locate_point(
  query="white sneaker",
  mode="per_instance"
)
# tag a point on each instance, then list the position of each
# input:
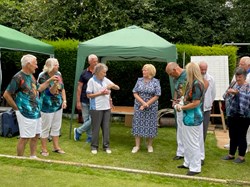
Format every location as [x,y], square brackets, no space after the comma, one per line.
[248,149]
[94,151]
[135,149]
[227,146]
[150,149]
[108,151]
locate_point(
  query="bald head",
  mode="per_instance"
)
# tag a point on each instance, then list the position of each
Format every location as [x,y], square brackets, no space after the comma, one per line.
[203,67]
[173,69]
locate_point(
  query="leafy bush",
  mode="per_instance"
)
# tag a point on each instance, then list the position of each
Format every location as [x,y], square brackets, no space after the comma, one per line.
[123,73]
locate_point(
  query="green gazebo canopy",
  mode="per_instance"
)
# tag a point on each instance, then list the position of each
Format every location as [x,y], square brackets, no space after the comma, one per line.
[128,44]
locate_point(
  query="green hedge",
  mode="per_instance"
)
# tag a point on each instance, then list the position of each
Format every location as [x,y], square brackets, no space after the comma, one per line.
[122,73]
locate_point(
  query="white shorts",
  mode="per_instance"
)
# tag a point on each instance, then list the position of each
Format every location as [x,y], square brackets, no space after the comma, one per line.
[28,128]
[51,123]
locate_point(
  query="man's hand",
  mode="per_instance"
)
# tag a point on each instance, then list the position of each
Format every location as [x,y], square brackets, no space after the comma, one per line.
[178,108]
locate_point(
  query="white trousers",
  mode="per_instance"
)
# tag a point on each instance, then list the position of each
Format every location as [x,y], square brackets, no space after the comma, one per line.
[51,123]
[248,137]
[202,146]
[179,134]
[192,150]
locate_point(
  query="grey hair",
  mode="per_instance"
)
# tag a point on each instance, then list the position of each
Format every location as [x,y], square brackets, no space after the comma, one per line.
[202,63]
[246,59]
[99,67]
[92,56]
[26,59]
[240,71]
[49,64]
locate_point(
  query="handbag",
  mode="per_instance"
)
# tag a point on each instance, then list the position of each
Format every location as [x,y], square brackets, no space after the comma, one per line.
[226,103]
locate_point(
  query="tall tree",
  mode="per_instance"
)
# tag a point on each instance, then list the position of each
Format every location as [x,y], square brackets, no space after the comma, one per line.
[10,14]
[240,19]
[199,22]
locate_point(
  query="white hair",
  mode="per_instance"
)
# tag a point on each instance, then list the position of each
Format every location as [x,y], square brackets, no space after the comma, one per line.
[49,64]
[26,59]
[99,67]
[92,56]
[246,59]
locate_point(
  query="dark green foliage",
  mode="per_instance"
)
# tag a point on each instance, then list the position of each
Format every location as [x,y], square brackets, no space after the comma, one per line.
[123,73]
[10,14]
[199,22]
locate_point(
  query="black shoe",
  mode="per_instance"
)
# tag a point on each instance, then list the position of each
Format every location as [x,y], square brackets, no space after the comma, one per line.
[239,161]
[192,173]
[202,162]
[178,157]
[228,157]
[182,167]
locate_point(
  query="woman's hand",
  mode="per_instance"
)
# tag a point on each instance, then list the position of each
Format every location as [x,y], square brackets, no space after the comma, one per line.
[54,78]
[64,104]
[232,91]
[143,106]
[178,108]
[105,92]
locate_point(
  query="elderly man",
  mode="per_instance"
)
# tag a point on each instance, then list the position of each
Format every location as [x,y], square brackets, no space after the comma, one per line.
[83,101]
[22,95]
[179,76]
[245,63]
[209,97]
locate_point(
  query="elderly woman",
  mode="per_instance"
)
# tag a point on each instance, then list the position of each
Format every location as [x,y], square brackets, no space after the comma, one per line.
[237,99]
[98,91]
[192,119]
[53,102]
[146,93]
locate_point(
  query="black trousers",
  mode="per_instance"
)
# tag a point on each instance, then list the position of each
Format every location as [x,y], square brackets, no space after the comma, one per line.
[238,127]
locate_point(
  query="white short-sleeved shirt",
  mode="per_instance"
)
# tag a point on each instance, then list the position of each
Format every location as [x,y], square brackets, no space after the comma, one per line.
[100,102]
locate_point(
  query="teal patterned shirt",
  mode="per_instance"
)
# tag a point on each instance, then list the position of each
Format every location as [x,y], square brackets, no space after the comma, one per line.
[51,103]
[179,84]
[193,117]
[23,87]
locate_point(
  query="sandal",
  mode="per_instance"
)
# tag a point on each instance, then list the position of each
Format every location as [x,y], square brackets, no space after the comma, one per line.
[44,153]
[60,151]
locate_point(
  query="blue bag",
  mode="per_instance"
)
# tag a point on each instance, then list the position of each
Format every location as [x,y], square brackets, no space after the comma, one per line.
[9,124]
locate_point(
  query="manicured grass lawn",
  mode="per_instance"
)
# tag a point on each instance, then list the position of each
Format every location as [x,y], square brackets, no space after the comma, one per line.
[15,172]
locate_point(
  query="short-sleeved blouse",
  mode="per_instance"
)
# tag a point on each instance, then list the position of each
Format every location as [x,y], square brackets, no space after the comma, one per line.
[193,117]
